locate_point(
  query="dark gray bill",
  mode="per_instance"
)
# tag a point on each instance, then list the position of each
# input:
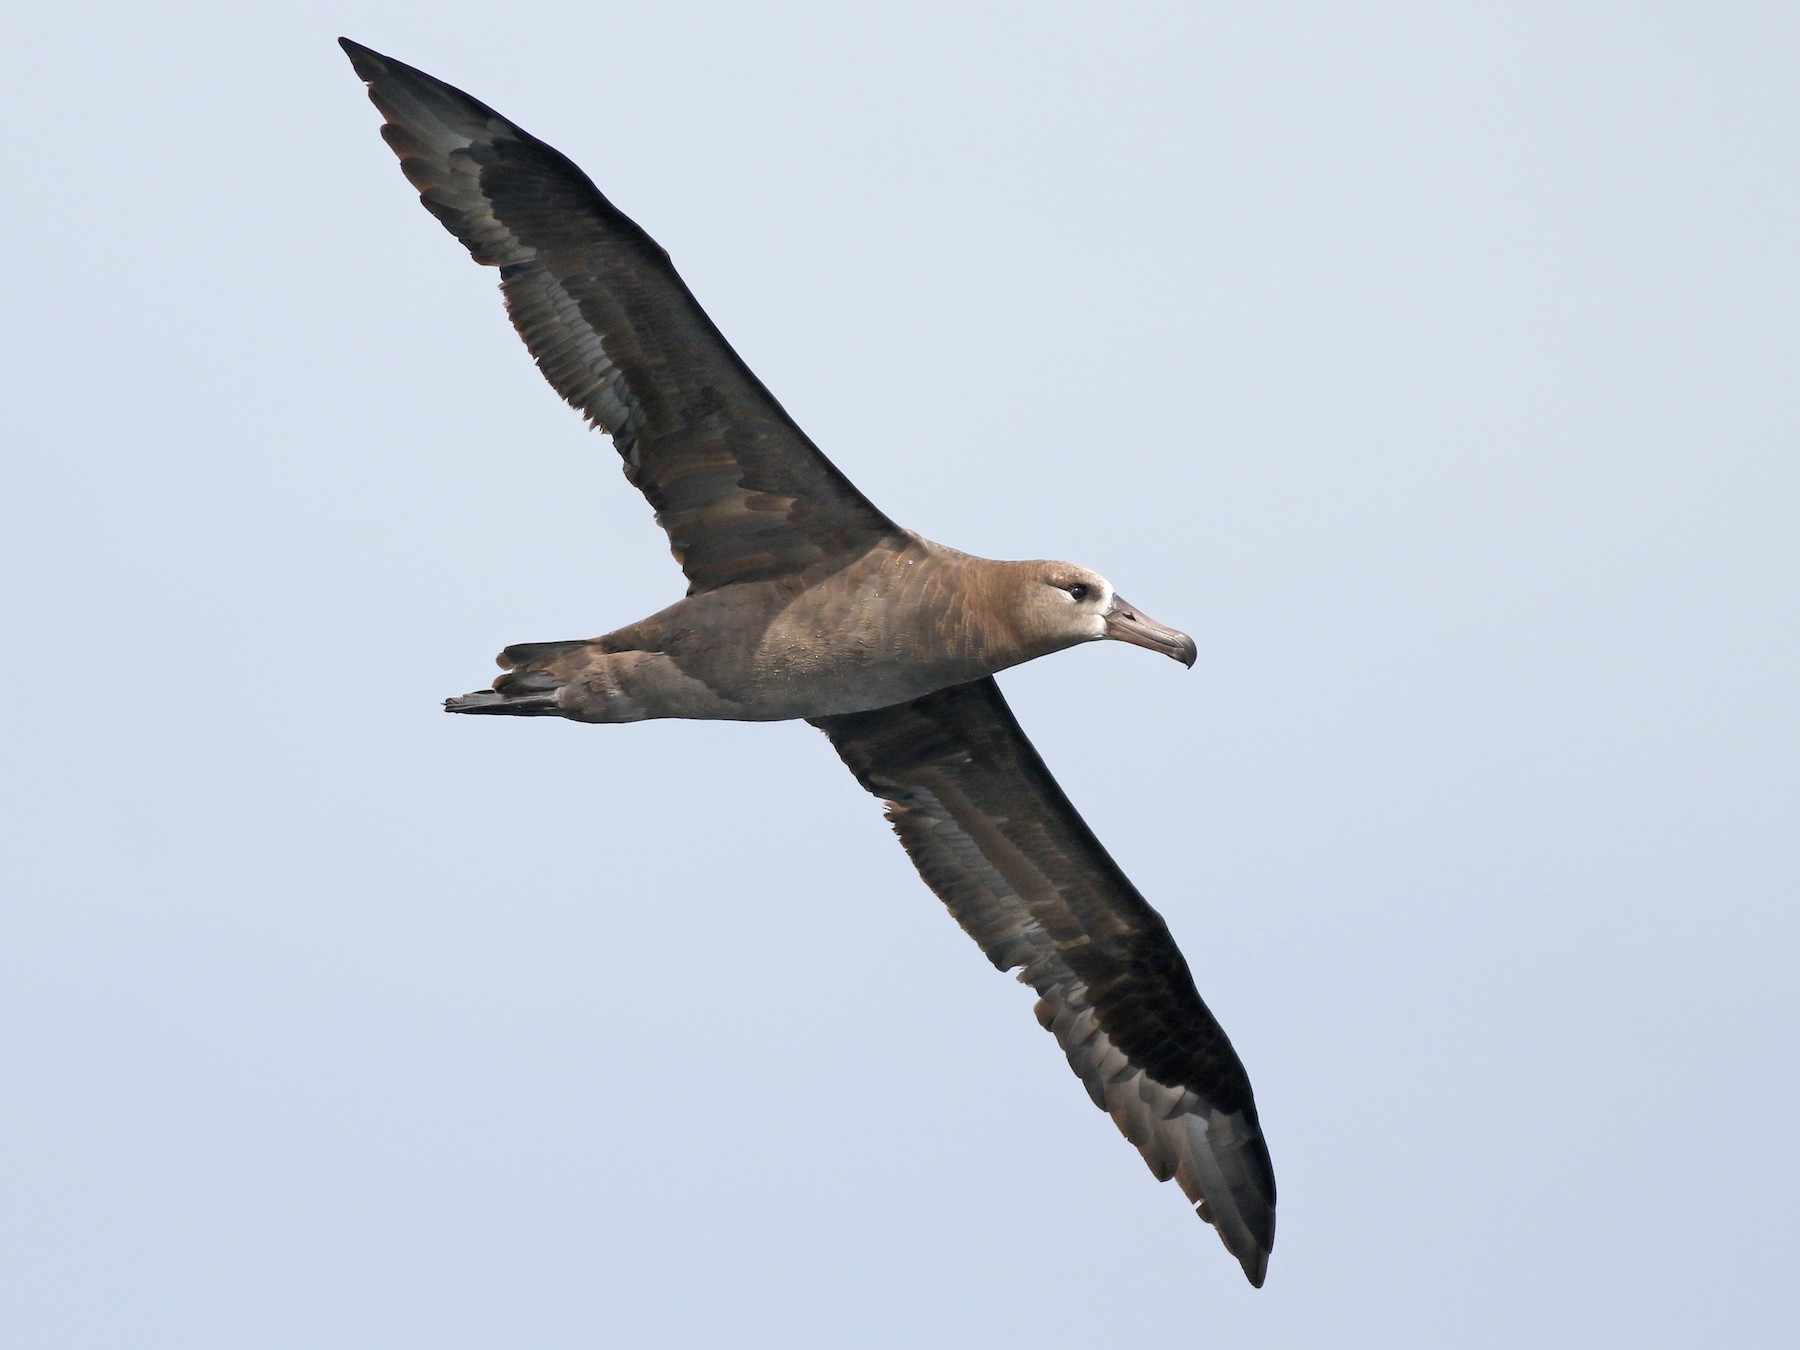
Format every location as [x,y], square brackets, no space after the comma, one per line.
[1127,623]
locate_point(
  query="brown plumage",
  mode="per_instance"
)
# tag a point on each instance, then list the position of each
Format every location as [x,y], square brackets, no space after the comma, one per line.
[804,601]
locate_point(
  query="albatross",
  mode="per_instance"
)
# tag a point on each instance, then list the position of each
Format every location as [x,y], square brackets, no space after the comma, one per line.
[805,601]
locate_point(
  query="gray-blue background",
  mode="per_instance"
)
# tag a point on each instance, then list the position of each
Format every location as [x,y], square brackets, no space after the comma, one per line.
[1433,364]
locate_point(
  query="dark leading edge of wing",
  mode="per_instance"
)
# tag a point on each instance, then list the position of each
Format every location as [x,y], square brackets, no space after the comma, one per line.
[995,837]
[741,491]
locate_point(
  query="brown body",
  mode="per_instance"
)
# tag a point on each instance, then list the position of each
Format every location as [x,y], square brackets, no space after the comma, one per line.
[903,619]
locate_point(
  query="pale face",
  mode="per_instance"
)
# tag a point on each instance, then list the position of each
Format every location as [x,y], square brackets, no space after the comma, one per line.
[1062,605]
[1073,601]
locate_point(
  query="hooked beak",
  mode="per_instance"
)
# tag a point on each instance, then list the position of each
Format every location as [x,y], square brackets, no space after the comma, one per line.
[1129,624]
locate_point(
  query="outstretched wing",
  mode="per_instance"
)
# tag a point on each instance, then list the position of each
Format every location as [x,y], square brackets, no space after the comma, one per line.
[743,494]
[994,836]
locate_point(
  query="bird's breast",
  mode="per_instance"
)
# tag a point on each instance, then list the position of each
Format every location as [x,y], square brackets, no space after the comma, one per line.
[856,646]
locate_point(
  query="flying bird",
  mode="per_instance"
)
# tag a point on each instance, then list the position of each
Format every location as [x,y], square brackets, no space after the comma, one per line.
[805,601]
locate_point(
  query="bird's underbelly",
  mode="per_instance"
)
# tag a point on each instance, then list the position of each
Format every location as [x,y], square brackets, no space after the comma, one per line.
[823,680]
[769,651]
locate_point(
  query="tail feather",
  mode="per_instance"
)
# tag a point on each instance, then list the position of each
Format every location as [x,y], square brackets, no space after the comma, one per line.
[530,680]
[488,701]
[535,671]
[524,653]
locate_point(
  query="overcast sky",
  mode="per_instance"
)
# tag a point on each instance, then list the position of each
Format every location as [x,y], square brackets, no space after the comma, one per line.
[1433,364]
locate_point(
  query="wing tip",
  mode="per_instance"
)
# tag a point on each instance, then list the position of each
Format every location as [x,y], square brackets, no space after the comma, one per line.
[1226,1173]
[1256,1266]
[1251,1251]
[365,60]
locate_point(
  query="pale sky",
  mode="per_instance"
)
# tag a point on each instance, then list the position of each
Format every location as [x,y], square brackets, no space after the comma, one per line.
[1434,365]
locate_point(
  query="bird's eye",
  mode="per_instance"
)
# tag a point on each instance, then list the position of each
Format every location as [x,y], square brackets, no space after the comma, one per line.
[1078,591]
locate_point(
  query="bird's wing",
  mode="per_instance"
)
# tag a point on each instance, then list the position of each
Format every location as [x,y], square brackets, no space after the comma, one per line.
[994,836]
[743,494]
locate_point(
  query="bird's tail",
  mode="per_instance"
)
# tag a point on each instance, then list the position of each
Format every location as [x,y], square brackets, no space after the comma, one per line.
[535,673]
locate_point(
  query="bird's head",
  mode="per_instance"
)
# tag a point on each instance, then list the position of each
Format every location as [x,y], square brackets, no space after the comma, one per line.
[1058,604]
